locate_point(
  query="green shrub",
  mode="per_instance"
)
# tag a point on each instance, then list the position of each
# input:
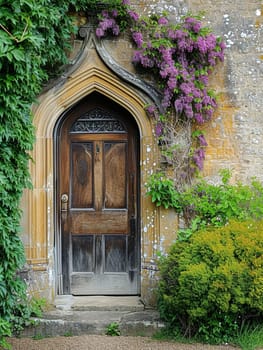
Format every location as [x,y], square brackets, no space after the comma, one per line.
[216,204]
[204,204]
[214,282]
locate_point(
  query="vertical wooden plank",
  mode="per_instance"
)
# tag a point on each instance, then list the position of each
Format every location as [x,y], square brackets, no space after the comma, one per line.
[66,254]
[98,255]
[98,155]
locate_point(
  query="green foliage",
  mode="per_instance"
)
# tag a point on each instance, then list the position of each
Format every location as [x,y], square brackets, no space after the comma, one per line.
[163,192]
[212,283]
[204,204]
[34,38]
[68,334]
[18,314]
[5,331]
[250,337]
[113,329]
[38,337]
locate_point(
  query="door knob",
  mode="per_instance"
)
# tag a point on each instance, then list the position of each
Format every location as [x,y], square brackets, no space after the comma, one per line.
[64,202]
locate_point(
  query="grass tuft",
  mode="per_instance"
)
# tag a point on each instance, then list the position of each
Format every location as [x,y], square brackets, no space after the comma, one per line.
[250,337]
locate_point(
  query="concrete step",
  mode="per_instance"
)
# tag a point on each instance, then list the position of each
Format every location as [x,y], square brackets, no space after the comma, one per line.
[93,315]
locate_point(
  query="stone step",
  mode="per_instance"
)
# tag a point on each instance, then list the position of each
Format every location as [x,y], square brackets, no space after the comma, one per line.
[97,303]
[93,315]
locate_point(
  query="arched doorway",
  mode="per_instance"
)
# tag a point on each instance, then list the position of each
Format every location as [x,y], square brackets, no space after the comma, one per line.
[89,78]
[97,199]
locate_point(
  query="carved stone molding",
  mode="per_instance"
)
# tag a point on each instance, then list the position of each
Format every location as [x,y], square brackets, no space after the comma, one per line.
[90,41]
[97,121]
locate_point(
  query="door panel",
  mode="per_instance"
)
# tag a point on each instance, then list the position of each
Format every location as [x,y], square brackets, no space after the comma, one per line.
[115,253]
[115,175]
[81,175]
[97,222]
[82,253]
[97,168]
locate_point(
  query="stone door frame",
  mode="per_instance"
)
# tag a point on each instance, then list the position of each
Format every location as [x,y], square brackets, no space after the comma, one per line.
[39,226]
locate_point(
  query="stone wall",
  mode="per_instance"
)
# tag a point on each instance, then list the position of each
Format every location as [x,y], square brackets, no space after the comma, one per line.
[235,133]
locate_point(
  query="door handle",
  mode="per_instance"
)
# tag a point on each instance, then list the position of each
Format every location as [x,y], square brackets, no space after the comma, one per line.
[64,202]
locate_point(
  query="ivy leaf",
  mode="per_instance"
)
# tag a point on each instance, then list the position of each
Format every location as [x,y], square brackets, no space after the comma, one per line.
[18,54]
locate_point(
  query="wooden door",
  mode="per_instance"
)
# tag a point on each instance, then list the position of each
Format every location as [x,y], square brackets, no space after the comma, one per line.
[97,199]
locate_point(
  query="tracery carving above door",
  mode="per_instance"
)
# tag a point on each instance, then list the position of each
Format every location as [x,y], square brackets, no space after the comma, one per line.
[97,120]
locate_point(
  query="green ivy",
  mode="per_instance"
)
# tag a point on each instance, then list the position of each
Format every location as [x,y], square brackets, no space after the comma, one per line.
[34,39]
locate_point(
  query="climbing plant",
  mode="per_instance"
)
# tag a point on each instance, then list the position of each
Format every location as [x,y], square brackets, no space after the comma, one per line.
[35,39]
[180,57]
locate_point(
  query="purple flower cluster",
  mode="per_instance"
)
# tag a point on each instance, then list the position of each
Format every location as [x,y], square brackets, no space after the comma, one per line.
[192,24]
[114,20]
[163,21]
[138,39]
[202,140]
[183,59]
[151,109]
[198,158]
[108,23]
[133,15]
[199,154]
[159,129]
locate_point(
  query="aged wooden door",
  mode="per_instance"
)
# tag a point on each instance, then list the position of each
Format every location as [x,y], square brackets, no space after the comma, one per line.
[97,199]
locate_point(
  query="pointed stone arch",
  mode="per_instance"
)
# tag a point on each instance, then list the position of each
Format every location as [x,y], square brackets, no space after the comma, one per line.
[90,73]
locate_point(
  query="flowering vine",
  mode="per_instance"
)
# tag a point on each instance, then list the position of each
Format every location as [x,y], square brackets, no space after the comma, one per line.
[115,18]
[180,56]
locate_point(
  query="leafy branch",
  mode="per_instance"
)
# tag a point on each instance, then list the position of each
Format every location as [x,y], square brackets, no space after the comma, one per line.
[12,36]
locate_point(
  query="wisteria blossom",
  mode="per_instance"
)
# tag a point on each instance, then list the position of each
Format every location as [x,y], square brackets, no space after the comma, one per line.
[202,140]
[198,158]
[163,21]
[133,15]
[181,56]
[138,39]
[159,129]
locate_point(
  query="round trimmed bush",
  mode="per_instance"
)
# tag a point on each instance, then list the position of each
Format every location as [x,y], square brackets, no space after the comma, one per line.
[212,283]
